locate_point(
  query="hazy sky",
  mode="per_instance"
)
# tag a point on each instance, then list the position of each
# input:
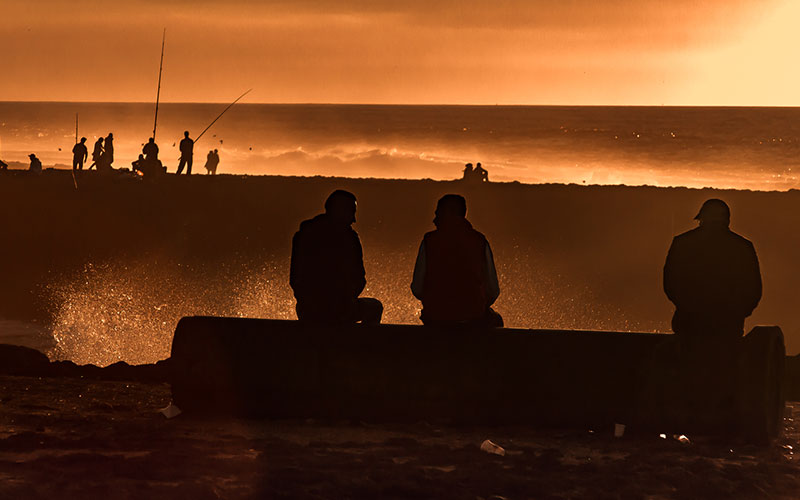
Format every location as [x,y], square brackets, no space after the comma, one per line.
[721,52]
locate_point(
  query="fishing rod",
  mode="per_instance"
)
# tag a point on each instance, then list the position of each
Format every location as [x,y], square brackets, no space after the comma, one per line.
[158,92]
[74,180]
[220,115]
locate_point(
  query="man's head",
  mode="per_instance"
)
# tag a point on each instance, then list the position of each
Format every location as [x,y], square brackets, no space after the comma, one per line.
[110,135]
[100,139]
[451,205]
[31,156]
[341,206]
[83,139]
[151,140]
[186,134]
[714,212]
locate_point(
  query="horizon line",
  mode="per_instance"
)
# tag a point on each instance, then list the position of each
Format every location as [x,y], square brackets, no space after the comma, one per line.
[786,106]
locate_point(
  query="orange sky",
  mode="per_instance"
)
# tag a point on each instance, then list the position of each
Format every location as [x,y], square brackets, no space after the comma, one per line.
[722,52]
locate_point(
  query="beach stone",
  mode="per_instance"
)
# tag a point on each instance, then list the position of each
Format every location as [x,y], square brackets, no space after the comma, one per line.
[19,360]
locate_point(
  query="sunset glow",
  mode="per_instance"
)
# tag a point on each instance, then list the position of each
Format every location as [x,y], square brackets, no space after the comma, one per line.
[511,52]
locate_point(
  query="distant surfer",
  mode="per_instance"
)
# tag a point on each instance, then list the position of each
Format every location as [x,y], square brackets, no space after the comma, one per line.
[712,276]
[327,267]
[79,154]
[97,152]
[36,164]
[187,152]
[454,275]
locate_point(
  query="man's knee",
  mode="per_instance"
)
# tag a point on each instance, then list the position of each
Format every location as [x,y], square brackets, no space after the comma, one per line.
[370,310]
[493,319]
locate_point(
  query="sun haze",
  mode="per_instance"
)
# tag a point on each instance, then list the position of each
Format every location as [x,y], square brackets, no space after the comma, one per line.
[357,51]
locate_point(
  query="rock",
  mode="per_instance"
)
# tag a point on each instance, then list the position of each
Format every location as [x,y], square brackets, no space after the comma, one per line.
[19,360]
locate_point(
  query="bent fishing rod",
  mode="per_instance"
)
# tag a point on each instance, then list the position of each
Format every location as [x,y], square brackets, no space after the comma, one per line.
[220,115]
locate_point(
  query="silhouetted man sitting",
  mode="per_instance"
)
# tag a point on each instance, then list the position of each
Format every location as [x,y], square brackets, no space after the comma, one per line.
[36,164]
[468,172]
[481,174]
[327,269]
[454,275]
[712,276]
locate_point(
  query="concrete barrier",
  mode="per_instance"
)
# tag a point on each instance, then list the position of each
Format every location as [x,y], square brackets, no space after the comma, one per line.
[288,369]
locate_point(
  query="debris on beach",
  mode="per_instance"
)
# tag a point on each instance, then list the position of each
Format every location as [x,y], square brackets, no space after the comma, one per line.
[492,448]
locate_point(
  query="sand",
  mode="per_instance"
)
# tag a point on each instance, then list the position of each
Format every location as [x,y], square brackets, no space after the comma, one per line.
[75,438]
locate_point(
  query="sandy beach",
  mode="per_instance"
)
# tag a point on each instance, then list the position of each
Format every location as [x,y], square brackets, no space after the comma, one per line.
[76,438]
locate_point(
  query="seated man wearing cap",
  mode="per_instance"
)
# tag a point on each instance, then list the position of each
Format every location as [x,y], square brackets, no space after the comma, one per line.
[712,276]
[454,275]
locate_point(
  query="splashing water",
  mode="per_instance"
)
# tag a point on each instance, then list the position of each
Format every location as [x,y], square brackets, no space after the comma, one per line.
[128,312]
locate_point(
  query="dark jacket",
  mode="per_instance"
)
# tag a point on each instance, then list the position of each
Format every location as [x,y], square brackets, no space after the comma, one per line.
[327,270]
[713,278]
[187,147]
[456,276]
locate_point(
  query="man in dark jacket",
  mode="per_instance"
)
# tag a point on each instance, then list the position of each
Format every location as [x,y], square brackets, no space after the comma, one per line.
[187,154]
[712,276]
[454,275]
[327,269]
[79,154]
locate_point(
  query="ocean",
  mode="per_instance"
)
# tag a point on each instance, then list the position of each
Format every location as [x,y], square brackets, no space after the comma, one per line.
[740,148]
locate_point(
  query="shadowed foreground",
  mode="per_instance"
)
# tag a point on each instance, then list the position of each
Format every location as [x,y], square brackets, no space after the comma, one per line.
[75,438]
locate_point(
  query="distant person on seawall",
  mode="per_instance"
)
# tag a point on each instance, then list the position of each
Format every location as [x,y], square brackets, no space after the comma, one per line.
[36,164]
[79,154]
[97,152]
[212,160]
[187,152]
[327,267]
[454,275]
[712,276]
[467,172]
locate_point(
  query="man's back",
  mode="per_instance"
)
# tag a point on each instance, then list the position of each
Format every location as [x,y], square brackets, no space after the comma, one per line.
[713,278]
[187,146]
[79,150]
[455,278]
[327,267]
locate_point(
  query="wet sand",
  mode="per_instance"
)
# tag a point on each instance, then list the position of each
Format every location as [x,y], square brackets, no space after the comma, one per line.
[75,438]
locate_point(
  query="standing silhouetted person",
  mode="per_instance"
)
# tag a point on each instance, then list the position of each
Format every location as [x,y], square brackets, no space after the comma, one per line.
[327,268]
[454,275]
[187,152]
[212,160]
[79,154]
[712,276]
[97,152]
[108,152]
[36,164]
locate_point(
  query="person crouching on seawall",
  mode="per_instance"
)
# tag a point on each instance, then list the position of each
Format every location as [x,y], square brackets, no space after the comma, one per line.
[454,276]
